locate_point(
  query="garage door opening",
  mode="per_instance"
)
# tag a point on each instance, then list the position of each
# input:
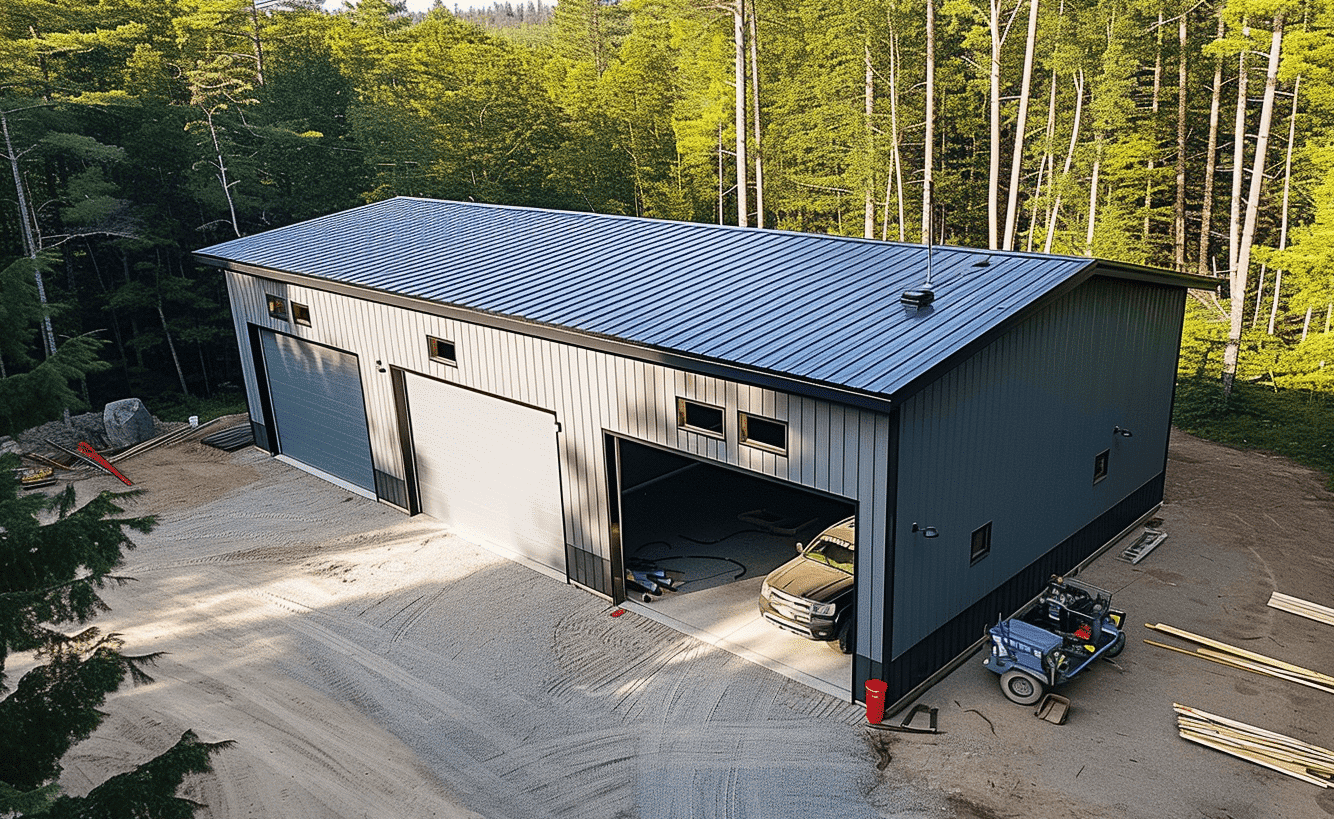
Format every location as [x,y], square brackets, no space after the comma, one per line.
[697,541]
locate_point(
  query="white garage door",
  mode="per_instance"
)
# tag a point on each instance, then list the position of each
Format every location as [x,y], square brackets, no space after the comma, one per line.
[488,468]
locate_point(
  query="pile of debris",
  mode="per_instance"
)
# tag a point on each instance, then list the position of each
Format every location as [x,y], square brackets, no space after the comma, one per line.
[90,443]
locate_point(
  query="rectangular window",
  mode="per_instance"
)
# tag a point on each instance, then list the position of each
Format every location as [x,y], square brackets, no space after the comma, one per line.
[763,433]
[699,417]
[301,314]
[981,544]
[1100,465]
[441,350]
[278,307]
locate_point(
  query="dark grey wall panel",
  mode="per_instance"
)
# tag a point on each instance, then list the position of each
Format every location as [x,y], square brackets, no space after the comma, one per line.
[318,408]
[1011,435]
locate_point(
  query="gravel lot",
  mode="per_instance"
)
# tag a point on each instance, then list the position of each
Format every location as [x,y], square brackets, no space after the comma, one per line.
[368,664]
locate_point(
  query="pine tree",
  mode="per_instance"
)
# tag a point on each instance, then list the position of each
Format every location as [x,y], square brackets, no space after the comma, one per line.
[54,557]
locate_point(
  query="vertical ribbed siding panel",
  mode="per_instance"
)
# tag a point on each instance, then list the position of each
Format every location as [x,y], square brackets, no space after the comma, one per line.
[1010,436]
[590,392]
[240,291]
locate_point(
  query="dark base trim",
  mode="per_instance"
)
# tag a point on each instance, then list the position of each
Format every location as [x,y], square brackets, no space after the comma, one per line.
[588,569]
[946,643]
[261,434]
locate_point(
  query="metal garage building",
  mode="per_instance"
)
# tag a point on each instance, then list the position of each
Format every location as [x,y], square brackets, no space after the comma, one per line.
[485,364]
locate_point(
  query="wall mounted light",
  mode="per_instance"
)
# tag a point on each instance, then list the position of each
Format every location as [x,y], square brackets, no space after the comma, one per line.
[379,365]
[1124,433]
[927,531]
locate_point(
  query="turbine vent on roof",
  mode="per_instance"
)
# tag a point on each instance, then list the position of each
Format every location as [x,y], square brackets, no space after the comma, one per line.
[915,300]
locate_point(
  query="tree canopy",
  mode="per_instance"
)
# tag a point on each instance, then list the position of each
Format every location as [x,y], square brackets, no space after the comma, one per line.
[1182,135]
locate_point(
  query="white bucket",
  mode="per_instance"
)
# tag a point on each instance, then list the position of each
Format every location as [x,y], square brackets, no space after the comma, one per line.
[194,420]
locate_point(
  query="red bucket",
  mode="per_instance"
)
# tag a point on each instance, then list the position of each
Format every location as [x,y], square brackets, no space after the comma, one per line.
[875,700]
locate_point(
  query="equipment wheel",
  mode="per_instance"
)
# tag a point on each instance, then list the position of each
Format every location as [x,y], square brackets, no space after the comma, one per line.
[1021,688]
[847,635]
[1118,646]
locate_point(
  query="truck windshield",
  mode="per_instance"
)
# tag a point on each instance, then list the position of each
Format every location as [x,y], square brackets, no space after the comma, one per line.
[830,553]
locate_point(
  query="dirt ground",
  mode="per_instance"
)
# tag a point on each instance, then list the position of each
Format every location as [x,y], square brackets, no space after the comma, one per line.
[368,664]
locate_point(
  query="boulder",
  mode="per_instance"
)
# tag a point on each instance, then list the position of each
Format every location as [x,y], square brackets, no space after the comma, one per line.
[126,423]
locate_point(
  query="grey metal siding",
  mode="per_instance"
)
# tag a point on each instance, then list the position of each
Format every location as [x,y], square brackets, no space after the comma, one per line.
[1010,436]
[591,392]
[318,414]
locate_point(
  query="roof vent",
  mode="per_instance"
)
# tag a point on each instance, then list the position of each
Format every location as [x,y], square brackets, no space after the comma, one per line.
[984,262]
[914,300]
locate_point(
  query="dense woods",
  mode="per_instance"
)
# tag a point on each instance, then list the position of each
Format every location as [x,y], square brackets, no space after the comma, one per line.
[1194,136]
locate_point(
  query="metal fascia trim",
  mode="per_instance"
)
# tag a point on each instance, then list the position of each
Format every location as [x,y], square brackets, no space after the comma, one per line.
[607,344]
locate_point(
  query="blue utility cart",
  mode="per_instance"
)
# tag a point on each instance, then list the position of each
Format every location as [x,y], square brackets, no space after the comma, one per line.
[1071,625]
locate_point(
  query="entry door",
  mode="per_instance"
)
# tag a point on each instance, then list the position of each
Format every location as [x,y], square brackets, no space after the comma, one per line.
[488,468]
[318,410]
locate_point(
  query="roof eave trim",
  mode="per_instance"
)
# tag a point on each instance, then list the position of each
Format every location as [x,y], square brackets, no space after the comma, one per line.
[667,357]
[1144,273]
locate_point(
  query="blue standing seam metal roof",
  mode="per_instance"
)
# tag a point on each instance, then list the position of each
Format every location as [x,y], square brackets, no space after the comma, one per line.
[818,308]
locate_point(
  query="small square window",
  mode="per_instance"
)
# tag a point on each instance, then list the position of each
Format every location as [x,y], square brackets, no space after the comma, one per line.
[1100,465]
[763,433]
[278,307]
[981,544]
[441,350]
[301,314]
[699,418]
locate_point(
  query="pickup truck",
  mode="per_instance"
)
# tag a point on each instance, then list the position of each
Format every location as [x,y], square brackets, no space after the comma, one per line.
[812,595]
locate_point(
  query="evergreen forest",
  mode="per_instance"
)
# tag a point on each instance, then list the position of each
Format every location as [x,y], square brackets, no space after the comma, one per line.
[1192,135]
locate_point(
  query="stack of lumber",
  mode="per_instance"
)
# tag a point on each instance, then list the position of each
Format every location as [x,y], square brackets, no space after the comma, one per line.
[1309,763]
[1225,654]
[1302,608]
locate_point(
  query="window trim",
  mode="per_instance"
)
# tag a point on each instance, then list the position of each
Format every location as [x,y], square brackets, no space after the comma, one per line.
[681,424]
[277,306]
[1101,466]
[975,555]
[432,347]
[297,311]
[743,432]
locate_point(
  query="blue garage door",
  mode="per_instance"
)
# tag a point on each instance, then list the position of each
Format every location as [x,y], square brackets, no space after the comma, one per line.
[318,408]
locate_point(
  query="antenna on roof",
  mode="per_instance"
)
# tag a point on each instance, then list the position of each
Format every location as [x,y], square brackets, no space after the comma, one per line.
[920,300]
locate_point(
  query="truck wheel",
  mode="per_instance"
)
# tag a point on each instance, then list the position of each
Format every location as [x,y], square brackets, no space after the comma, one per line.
[1118,646]
[847,635]
[1021,688]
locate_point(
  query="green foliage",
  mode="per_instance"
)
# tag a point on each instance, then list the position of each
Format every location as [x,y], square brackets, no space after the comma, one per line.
[39,395]
[54,557]
[180,408]
[1289,422]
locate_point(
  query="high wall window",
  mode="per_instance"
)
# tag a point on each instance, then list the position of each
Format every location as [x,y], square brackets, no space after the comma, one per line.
[277,307]
[981,546]
[763,433]
[441,350]
[301,314]
[697,417]
[1100,465]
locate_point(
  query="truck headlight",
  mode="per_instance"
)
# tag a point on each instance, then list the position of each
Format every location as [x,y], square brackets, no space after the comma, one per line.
[823,609]
[764,590]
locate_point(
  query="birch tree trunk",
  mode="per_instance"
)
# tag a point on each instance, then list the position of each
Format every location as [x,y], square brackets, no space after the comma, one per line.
[739,40]
[1238,286]
[1069,160]
[1093,198]
[1016,161]
[868,96]
[171,345]
[1238,159]
[993,174]
[26,220]
[755,116]
[1153,126]
[897,168]
[1287,187]
[1179,204]
[1211,161]
[929,135]
[1045,167]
